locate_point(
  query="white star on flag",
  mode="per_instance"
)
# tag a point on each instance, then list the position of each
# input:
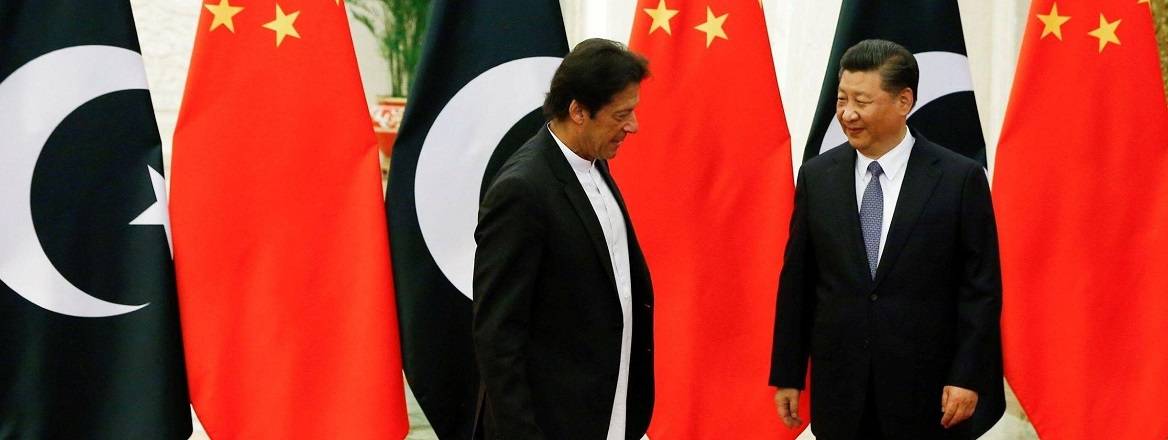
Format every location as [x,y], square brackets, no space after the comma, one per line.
[156,214]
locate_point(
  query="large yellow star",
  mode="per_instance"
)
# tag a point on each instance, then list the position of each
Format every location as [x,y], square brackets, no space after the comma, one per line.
[713,26]
[661,17]
[283,25]
[1105,32]
[223,13]
[1052,23]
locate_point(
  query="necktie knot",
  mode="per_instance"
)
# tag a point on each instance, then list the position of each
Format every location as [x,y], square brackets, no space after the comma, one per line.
[875,169]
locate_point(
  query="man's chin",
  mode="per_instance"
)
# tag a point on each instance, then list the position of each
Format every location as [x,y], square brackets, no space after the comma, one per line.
[612,153]
[857,142]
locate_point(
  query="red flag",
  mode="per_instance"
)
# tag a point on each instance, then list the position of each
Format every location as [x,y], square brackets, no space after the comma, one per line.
[709,188]
[280,241]
[1081,189]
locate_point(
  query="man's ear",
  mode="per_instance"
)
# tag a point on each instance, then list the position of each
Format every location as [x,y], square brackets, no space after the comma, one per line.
[576,112]
[905,100]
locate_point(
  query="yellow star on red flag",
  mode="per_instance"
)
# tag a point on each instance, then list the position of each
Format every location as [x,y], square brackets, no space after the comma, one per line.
[283,25]
[661,16]
[1106,32]
[713,26]
[1052,22]
[223,13]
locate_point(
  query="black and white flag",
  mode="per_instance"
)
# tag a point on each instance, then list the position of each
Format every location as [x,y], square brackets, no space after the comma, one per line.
[945,111]
[88,316]
[485,69]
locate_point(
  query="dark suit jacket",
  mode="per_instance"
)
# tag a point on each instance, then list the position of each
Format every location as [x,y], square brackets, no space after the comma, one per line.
[929,319]
[547,319]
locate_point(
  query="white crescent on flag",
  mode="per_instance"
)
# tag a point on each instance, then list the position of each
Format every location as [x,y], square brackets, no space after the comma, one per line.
[460,143]
[33,101]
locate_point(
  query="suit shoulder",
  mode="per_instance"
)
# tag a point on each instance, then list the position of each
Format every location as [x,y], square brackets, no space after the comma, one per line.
[827,158]
[946,157]
[524,167]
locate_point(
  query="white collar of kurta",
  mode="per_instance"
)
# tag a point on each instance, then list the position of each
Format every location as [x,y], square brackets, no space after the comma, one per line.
[580,164]
[893,162]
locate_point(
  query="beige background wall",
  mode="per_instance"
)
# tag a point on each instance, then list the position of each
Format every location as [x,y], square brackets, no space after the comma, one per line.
[800,30]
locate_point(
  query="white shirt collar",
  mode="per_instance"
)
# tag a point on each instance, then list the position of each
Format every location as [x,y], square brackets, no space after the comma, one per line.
[580,164]
[893,162]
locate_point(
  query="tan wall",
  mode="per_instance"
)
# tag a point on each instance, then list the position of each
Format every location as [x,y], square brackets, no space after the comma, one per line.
[1160,12]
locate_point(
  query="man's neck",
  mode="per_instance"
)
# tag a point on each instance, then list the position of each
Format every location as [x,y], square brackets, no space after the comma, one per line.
[563,131]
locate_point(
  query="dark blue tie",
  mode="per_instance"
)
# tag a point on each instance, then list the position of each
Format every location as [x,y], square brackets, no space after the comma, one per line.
[872,216]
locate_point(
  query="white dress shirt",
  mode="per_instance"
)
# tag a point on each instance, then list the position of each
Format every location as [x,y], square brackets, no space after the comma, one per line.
[893,163]
[612,222]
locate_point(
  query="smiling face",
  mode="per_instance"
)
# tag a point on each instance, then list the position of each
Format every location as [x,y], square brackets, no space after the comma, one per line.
[602,131]
[872,118]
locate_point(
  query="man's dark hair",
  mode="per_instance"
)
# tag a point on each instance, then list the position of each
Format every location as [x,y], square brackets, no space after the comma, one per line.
[592,74]
[897,66]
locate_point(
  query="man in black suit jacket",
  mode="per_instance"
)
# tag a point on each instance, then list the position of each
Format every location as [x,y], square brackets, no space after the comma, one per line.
[894,295]
[562,298]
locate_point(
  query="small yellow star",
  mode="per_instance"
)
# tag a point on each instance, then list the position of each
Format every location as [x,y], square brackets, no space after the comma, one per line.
[223,13]
[1105,32]
[1052,23]
[713,26]
[661,17]
[1143,1]
[283,25]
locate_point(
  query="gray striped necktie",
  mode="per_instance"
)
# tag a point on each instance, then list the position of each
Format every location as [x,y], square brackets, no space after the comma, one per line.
[872,216]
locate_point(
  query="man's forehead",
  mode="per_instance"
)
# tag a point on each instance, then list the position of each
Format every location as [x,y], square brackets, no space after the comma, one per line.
[859,81]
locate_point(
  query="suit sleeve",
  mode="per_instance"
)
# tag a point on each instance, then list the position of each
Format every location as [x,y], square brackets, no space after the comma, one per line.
[980,293]
[795,306]
[506,263]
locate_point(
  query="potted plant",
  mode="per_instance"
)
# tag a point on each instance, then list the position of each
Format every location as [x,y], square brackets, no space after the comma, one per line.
[399,26]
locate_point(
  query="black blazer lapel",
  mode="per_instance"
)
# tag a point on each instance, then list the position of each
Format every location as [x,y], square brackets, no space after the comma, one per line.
[637,262]
[920,178]
[579,200]
[841,179]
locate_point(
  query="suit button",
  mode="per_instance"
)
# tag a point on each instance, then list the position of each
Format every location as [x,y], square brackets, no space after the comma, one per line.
[873,297]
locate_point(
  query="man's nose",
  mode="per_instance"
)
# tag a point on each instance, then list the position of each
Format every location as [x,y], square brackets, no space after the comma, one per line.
[632,125]
[849,114]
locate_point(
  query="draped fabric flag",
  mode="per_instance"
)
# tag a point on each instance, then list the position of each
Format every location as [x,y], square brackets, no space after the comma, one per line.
[89,333]
[709,189]
[945,111]
[485,69]
[280,240]
[1081,195]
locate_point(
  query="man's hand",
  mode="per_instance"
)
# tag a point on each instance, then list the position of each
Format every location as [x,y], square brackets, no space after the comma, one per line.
[787,400]
[957,404]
